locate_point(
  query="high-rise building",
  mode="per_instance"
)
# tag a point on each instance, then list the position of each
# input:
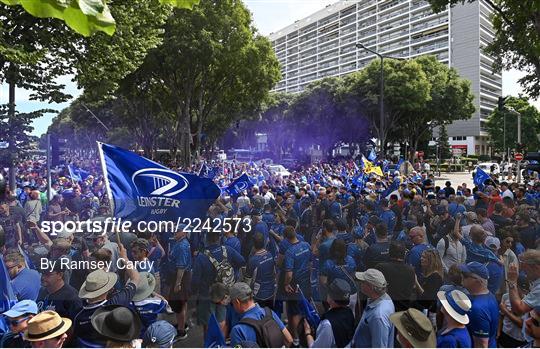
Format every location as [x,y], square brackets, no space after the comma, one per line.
[323,44]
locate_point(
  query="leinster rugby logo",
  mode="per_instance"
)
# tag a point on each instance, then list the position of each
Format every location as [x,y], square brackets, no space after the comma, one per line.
[160,185]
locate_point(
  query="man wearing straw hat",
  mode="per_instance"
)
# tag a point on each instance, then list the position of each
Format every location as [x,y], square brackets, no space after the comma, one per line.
[47,330]
[414,329]
[97,293]
[455,307]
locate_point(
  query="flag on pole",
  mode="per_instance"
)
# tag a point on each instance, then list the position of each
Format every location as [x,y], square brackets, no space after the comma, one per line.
[239,185]
[480,177]
[7,296]
[308,310]
[141,189]
[372,155]
[391,188]
[214,337]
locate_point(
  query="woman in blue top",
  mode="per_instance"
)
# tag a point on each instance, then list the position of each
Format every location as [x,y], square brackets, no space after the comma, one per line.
[339,266]
[455,306]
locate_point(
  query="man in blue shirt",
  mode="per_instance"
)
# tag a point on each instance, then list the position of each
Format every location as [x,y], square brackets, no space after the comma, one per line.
[205,275]
[484,314]
[375,330]
[378,252]
[387,215]
[261,269]
[297,268]
[324,241]
[26,282]
[180,278]
[416,235]
[243,303]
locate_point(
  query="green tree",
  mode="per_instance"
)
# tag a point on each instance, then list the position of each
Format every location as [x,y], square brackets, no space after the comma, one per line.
[29,59]
[530,126]
[450,99]
[406,90]
[83,16]
[443,144]
[517,37]
[210,57]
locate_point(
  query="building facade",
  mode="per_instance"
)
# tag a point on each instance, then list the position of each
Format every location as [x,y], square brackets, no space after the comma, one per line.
[324,44]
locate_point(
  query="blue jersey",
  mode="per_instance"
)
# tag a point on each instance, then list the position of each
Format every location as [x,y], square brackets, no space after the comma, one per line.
[324,250]
[263,266]
[297,259]
[357,254]
[456,338]
[26,284]
[484,318]
[148,310]
[242,332]
[233,242]
[389,218]
[345,236]
[496,276]
[333,271]
[180,254]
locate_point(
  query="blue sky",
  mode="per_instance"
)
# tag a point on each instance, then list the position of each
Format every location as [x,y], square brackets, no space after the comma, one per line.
[269,16]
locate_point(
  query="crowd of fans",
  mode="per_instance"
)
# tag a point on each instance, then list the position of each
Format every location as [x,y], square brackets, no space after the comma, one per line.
[387,261]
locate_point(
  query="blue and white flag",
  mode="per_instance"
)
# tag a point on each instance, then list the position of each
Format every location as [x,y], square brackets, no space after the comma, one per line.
[308,310]
[239,185]
[74,176]
[372,155]
[214,337]
[480,177]
[7,296]
[141,189]
[391,188]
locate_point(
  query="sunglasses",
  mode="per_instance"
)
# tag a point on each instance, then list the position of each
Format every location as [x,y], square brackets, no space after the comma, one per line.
[16,322]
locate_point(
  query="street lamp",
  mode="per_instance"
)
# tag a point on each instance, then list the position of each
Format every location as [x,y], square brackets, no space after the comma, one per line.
[381,92]
[515,112]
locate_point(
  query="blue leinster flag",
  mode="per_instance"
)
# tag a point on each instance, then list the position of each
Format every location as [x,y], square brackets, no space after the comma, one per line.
[239,185]
[141,189]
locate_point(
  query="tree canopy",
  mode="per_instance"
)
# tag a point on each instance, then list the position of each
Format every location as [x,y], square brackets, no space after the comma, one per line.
[530,125]
[517,37]
[83,16]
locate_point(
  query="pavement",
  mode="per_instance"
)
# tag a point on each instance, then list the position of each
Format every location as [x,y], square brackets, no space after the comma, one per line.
[457,178]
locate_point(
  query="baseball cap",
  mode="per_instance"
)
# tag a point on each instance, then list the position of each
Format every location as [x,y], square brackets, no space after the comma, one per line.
[241,291]
[492,241]
[475,268]
[23,307]
[339,290]
[160,334]
[372,276]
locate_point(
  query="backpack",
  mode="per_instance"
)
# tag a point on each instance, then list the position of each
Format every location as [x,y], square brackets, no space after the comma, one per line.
[269,334]
[224,270]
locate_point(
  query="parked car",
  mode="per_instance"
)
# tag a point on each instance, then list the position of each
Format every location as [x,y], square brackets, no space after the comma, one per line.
[489,168]
[278,170]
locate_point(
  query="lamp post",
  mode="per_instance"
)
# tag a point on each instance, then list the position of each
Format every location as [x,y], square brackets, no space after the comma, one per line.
[381,95]
[381,92]
[518,114]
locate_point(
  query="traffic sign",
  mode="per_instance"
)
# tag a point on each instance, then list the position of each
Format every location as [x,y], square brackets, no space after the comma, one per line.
[518,156]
